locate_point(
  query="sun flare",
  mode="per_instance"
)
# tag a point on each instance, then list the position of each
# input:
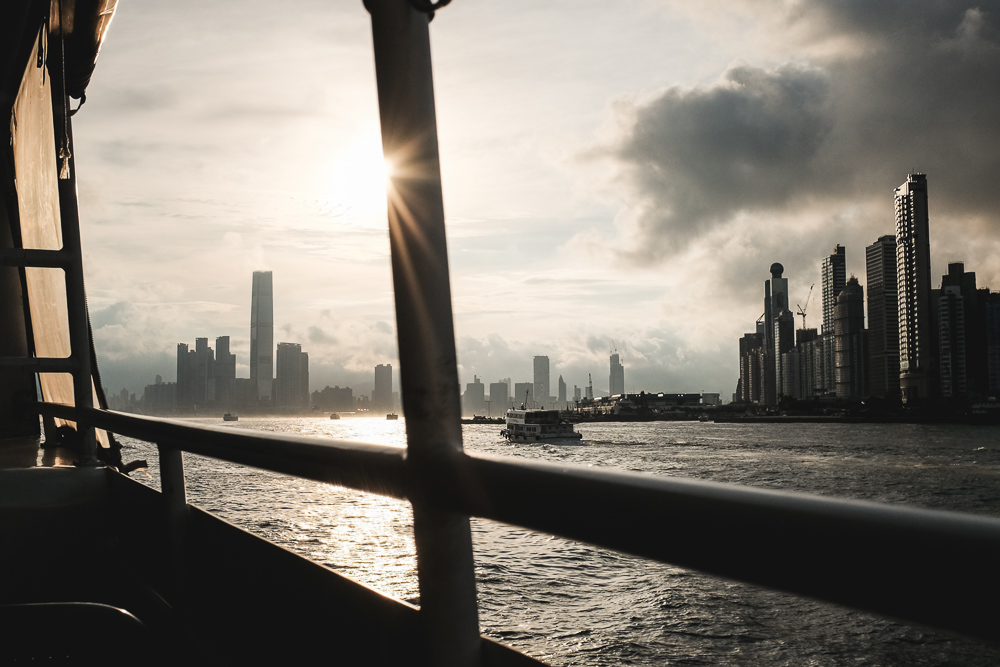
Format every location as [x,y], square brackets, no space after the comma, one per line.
[356,181]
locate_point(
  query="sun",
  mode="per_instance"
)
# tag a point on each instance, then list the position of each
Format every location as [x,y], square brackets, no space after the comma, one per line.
[356,179]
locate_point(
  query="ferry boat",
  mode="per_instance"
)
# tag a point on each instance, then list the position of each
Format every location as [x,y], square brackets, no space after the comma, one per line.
[230,417]
[118,567]
[537,426]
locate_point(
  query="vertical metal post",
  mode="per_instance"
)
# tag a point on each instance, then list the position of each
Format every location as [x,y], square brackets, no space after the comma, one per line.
[172,487]
[76,294]
[428,367]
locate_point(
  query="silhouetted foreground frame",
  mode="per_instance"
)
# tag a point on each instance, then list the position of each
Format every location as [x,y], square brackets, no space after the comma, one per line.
[928,567]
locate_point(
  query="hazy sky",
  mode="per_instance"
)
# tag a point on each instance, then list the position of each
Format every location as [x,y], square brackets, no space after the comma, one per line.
[614,173]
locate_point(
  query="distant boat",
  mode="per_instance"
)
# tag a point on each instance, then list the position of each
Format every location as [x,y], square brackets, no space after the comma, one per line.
[537,425]
[230,417]
[334,415]
[391,416]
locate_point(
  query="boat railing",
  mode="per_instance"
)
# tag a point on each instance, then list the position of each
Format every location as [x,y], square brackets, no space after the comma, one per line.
[922,566]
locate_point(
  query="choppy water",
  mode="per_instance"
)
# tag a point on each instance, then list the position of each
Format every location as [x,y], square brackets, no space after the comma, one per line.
[573,604]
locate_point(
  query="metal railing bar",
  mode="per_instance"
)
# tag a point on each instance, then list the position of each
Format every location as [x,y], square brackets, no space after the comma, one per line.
[918,565]
[46,259]
[365,467]
[41,364]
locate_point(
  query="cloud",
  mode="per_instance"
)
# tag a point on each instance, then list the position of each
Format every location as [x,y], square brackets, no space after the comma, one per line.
[909,87]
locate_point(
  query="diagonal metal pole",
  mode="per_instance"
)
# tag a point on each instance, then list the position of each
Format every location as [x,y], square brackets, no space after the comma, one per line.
[428,367]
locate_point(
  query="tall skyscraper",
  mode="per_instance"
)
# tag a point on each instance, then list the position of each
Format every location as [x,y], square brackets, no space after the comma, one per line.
[561,396]
[917,338]
[616,379]
[781,327]
[291,377]
[834,277]
[540,390]
[850,341]
[382,394]
[883,318]
[262,334]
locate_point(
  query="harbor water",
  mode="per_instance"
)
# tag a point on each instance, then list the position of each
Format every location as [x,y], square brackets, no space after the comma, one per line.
[573,604]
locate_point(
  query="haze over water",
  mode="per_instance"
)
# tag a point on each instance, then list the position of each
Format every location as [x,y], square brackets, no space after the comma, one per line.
[570,603]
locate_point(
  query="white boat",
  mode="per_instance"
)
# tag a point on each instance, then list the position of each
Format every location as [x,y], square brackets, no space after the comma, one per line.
[537,426]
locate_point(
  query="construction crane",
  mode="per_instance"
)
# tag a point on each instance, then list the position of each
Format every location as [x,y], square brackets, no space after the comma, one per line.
[802,309]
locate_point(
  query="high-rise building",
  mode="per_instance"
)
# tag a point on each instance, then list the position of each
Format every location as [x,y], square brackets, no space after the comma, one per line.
[262,334]
[291,377]
[883,318]
[474,398]
[540,390]
[963,359]
[913,270]
[850,341]
[781,327]
[382,394]
[186,371]
[834,277]
[993,343]
[751,385]
[616,379]
[561,396]
[499,397]
[225,371]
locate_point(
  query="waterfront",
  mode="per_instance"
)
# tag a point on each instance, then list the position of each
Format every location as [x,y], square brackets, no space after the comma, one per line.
[572,604]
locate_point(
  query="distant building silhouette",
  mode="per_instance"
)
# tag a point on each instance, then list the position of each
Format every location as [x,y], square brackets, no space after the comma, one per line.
[540,390]
[851,342]
[499,397]
[561,396]
[834,277]
[616,378]
[752,361]
[883,318]
[262,334]
[292,377]
[993,343]
[962,328]
[382,393]
[917,339]
[225,372]
[474,398]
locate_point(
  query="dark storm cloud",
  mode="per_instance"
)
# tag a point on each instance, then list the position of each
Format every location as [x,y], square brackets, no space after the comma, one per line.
[910,86]
[695,157]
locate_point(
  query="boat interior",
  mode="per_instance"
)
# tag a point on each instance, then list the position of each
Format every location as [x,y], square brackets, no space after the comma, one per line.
[97,566]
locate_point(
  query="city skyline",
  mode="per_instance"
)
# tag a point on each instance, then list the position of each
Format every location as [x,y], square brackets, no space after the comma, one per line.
[623,180]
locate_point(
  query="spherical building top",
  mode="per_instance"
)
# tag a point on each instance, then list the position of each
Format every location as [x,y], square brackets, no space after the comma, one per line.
[776,270]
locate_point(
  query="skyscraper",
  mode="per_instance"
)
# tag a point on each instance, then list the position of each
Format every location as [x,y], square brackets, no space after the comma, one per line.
[850,341]
[540,390]
[291,377]
[834,277]
[262,334]
[499,397]
[382,394]
[913,270]
[616,379]
[883,318]
[781,328]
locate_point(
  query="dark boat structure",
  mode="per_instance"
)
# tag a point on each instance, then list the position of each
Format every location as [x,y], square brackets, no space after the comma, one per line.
[95,564]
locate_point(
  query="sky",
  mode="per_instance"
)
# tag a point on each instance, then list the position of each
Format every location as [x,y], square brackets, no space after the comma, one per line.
[615,175]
